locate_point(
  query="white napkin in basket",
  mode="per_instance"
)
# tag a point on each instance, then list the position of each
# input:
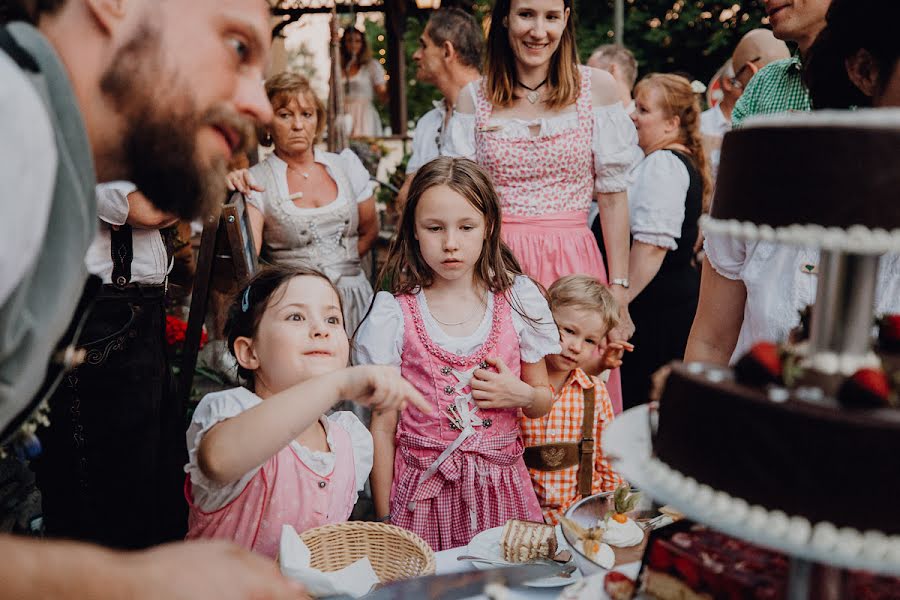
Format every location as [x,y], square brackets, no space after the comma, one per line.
[355,579]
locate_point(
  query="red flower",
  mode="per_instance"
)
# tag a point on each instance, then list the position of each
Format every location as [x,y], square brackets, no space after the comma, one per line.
[176,331]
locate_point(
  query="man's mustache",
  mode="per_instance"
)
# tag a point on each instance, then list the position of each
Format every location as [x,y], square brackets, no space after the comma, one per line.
[241,126]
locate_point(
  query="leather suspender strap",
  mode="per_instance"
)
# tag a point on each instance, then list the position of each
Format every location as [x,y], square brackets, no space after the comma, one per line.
[586,465]
[121,251]
[19,55]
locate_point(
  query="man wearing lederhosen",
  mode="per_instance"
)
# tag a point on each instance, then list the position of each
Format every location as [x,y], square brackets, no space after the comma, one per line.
[111,466]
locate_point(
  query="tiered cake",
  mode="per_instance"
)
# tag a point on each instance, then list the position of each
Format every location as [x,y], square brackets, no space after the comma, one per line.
[781,457]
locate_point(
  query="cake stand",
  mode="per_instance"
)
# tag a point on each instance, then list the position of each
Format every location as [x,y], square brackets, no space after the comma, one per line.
[627,442]
[815,191]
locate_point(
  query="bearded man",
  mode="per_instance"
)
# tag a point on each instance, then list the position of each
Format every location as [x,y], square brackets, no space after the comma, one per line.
[157,92]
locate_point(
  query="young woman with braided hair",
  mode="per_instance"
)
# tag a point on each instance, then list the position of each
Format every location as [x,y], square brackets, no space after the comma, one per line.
[669,193]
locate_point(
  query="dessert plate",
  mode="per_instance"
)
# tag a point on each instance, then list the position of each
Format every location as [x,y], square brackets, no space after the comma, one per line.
[487,545]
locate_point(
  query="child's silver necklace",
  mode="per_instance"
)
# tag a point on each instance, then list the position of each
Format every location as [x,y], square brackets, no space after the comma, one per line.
[466,320]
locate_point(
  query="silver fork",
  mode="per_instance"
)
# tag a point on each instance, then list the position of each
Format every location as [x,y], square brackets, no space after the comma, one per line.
[655,522]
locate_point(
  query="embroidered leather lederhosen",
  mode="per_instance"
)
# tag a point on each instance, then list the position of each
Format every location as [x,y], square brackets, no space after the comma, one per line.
[112,467]
[562,455]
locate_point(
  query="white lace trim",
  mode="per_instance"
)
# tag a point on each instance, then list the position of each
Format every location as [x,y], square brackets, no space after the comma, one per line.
[824,537]
[858,239]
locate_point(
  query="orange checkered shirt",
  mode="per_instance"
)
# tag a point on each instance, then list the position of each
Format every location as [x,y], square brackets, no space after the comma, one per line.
[558,490]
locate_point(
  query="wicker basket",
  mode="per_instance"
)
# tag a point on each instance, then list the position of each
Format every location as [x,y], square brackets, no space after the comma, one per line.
[395,553]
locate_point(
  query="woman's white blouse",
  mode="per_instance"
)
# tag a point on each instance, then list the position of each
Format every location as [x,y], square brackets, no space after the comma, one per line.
[346,163]
[656,199]
[379,339]
[779,286]
[614,139]
[219,406]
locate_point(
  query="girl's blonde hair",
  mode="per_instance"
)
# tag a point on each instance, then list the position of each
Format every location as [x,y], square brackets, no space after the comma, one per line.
[679,100]
[406,271]
[584,292]
[564,77]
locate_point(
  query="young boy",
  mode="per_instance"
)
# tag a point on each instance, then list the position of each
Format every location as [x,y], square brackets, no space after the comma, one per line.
[563,451]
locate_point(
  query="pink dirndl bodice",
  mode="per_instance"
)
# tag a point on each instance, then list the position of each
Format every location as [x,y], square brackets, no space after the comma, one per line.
[283,492]
[459,470]
[546,183]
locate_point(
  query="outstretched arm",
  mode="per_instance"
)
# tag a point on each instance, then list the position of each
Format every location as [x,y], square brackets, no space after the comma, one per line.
[38,569]
[236,446]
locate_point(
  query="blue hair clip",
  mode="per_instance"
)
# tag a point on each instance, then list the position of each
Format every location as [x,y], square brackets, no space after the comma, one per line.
[245,301]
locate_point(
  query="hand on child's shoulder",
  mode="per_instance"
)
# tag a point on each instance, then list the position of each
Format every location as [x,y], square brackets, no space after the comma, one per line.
[381,387]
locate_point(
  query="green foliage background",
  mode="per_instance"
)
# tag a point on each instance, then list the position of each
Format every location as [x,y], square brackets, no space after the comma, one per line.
[693,38]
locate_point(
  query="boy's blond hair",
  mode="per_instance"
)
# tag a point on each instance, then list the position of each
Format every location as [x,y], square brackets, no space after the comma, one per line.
[584,292]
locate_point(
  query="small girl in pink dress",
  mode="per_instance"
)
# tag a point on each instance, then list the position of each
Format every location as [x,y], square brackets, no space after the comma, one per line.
[265,456]
[470,332]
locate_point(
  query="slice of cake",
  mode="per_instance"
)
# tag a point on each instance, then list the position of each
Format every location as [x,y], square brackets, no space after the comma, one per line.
[523,541]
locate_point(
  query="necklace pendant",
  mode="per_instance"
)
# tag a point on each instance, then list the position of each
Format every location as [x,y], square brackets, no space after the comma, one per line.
[533,96]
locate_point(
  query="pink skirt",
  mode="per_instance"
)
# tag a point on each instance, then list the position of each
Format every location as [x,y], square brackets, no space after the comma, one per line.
[554,245]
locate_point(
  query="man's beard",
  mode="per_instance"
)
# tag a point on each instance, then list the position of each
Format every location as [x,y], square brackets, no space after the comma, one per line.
[158,152]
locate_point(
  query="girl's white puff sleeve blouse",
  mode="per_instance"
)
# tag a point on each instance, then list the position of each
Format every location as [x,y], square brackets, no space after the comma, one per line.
[379,339]
[219,406]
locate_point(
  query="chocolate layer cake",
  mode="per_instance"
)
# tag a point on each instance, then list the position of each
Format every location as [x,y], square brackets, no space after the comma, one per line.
[844,150]
[809,459]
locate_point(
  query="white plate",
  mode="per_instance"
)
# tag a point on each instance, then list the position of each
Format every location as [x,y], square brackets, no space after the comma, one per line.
[487,545]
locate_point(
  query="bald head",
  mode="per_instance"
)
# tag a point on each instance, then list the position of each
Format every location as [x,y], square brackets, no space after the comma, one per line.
[759,46]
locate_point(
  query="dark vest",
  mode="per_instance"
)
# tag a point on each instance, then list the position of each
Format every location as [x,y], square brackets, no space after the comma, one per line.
[678,279]
[39,310]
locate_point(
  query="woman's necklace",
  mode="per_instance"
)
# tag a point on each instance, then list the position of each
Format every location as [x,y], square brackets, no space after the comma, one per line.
[466,320]
[297,195]
[533,94]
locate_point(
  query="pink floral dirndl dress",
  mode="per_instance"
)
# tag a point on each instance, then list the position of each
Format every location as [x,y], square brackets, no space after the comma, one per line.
[459,470]
[546,184]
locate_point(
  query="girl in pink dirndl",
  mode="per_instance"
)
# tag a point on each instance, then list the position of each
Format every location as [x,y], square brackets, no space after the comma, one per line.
[266,456]
[470,332]
[551,139]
